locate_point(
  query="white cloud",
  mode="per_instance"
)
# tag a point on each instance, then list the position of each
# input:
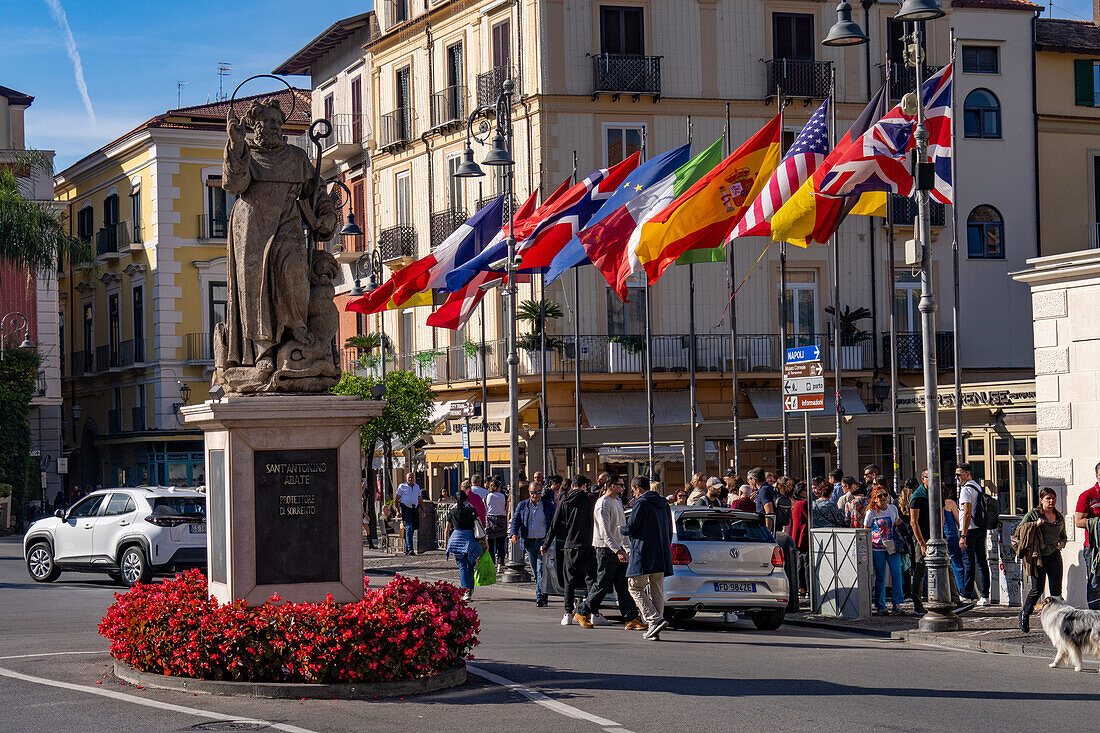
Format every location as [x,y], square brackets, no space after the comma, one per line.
[62,21]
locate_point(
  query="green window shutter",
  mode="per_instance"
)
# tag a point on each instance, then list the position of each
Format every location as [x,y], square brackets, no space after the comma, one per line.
[1082,83]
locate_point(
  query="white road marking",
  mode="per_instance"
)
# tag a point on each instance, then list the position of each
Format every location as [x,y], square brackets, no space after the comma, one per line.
[135,700]
[50,654]
[610,726]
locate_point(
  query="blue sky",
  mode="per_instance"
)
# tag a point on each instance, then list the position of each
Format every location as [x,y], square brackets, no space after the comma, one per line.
[134,51]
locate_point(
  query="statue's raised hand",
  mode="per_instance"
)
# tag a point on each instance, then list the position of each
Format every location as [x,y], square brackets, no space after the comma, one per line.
[235,129]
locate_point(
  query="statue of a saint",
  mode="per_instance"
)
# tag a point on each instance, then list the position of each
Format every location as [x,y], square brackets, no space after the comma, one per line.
[281,321]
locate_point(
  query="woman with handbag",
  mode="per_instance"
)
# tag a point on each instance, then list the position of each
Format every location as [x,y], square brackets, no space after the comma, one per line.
[882,519]
[465,540]
[1052,535]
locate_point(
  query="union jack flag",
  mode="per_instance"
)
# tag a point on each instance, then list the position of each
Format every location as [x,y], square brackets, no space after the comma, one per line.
[806,153]
[879,162]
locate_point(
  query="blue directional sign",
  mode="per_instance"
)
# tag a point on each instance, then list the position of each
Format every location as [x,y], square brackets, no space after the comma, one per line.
[803,353]
[465,442]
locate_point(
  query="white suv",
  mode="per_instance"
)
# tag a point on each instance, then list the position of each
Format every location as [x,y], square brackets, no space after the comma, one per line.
[130,534]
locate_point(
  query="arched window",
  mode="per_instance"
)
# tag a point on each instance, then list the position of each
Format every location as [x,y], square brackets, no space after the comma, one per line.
[982,115]
[985,234]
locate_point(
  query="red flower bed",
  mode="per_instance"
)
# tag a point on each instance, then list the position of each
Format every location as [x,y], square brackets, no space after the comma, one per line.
[404,630]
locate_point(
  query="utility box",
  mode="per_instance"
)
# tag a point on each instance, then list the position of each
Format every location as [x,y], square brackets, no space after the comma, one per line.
[1010,579]
[426,535]
[843,575]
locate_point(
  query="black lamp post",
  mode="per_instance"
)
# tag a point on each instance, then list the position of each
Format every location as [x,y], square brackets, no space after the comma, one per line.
[881,391]
[350,228]
[500,155]
[12,323]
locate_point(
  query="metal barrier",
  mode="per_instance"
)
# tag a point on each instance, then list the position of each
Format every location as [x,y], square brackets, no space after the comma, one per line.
[843,576]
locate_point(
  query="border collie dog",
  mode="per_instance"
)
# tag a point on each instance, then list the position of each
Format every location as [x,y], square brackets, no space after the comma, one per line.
[1071,630]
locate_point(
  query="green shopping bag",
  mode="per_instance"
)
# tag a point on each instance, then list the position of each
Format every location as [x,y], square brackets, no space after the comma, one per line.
[485,573]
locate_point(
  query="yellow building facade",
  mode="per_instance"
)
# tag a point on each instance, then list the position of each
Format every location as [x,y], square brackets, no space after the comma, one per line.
[137,322]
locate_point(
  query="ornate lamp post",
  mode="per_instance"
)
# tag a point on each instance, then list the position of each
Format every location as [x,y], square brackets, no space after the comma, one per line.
[13,323]
[845,32]
[500,155]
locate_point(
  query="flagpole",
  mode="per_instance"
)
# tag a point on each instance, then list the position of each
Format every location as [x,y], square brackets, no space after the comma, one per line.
[577,463]
[836,283]
[734,374]
[783,320]
[894,429]
[649,378]
[484,400]
[955,272]
[692,362]
[544,410]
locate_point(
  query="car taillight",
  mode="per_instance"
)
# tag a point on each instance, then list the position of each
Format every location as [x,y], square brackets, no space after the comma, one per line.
[680,555]
[777,557]
[165,521]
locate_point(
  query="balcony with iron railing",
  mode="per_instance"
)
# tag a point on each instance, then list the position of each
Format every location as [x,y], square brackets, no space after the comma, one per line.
[397,242]
[449,107]
[114,421]
[106,357]
[81,363]
[346,137]
[903,78]
[126,353]
[911,350]
[112,238]
[491,83]
[137,419]
[199,347]
[212,227]
[801,78]
[905,211]
[396,128]
[615,74]
[486,200]
[443,223]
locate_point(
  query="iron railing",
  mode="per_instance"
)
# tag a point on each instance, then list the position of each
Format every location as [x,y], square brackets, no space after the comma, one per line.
[397,242]
[81,363]
[397,127]
[126,353]
[212,227]
[137,233]
[449,106]
[905,211]
[903,78]
[347,129]
[911,350]
[616,73]
[798,78]
[491,84]
[114,421]
[111,237]
[443,223]
[199,346]
[137,418]
[486,200]
[106,357]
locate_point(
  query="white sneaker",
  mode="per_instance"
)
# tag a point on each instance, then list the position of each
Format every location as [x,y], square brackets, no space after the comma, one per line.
[983,601]
[467,595]
[567,619]
[599,620]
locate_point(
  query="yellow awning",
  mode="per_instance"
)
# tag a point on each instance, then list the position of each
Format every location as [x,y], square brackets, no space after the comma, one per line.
[453,455]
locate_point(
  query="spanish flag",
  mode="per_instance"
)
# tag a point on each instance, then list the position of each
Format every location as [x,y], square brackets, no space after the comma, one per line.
[704,214]
[808,216]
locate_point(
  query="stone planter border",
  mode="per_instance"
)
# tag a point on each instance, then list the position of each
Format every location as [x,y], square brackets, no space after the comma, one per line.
[296,690]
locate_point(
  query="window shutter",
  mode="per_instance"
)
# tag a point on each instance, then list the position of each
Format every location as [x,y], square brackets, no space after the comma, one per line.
[1082,83]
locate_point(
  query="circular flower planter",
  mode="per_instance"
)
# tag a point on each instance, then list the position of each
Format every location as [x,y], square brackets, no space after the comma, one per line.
[296,690]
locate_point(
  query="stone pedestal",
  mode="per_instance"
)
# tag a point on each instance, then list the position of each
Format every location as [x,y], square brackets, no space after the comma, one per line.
[284,505]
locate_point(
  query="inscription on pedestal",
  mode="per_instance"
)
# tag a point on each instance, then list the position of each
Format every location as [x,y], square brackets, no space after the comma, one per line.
[297,516]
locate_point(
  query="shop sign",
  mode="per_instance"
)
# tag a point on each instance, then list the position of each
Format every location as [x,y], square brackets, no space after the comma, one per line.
[974,398]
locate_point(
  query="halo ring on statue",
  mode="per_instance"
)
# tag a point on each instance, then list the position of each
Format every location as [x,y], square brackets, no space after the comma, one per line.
[293,96]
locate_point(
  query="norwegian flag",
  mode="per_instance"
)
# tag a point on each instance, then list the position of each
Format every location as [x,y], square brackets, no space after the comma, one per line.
[806,153]
[880,161]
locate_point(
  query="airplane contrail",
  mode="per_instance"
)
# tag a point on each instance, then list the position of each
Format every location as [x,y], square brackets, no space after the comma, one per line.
[58,14]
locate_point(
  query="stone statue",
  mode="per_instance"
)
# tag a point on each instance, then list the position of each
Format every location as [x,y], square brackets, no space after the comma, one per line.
[280,328]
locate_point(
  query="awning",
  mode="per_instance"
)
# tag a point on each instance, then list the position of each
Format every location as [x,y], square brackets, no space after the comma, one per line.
[618,409]
[450,455]
[661,452]
[766,402]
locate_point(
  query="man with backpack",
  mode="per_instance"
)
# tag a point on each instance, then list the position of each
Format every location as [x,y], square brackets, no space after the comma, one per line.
[978,511]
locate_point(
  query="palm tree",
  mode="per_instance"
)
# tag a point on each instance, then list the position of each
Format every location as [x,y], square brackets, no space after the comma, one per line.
[537,313]
[33,234]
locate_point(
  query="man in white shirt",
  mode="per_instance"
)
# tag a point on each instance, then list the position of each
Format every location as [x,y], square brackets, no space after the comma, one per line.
[611,559]
[477,485]
[972,539]
[408,498]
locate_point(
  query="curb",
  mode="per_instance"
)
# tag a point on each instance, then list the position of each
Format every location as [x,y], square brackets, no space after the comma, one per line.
[861,631]
[295,690]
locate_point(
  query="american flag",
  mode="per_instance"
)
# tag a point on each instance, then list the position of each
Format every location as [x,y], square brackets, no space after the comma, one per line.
[880,161]
[805,155]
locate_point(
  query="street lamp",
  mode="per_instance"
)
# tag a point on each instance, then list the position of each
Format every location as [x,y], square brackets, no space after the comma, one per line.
[845,32]
[940,615]
[13,323]
[350,228]
[500,155]
[881,391]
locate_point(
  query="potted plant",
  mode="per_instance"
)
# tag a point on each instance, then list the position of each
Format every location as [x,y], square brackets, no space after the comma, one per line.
[425,363]
[851,336]
[472,352]
[536,313]
[625,353]
[366,344]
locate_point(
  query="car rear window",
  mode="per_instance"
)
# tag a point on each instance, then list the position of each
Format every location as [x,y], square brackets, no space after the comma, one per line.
[721,529]
[177,506]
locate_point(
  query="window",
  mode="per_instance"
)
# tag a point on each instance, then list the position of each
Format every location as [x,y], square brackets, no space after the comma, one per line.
[980,60]
[402,97]
[217,208]
[87,508]
[110,211]
[219,306]
[982,115]
[119,504]
[135,216]
[622,141]
[357,204]
[454,83]
[906,299]
[356,109]
[985,231]
[793,36]
[89,335]
[139,324]
[1086,83]
[408,330]
[502,45]
[621,31]
[626,319]
[403,199]
[330,106]
[456,199]
[400,11]
[85,223]
[113,327]
[801,306]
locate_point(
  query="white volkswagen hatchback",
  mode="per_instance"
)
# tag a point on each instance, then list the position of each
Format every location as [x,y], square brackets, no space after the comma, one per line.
[130,534]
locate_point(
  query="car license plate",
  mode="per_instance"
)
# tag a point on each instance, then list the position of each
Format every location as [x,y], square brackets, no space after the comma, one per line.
[735,587]
[198,528]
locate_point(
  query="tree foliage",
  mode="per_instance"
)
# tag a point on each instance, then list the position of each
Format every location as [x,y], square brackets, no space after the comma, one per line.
[18,379]
[408,405]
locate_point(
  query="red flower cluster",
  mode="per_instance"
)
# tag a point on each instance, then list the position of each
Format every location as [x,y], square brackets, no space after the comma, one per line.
[404,630]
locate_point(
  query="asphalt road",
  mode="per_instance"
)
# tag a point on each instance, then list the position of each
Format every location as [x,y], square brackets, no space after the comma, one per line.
[539,676]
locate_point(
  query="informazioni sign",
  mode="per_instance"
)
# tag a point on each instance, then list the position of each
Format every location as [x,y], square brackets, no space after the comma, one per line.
[973,398]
